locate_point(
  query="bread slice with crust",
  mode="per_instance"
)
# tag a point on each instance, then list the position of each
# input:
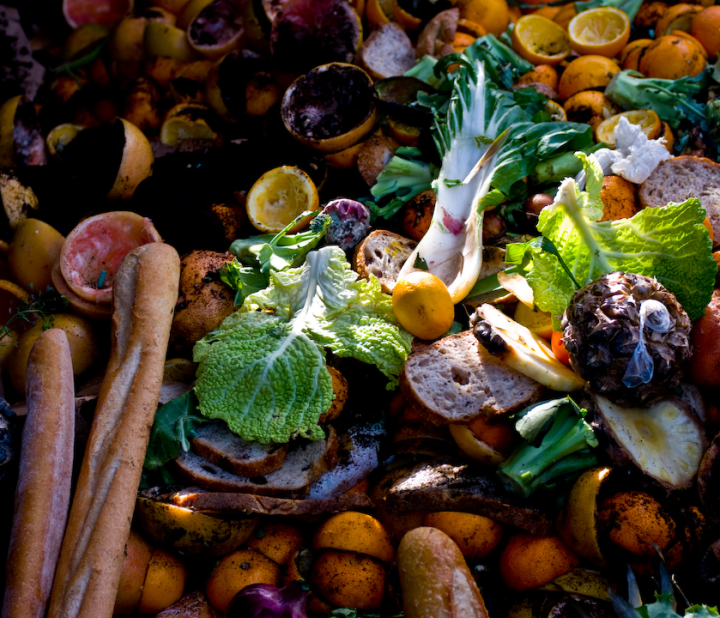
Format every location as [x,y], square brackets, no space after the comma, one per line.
[680,178]
[387,52]
[455,379]
[383,254]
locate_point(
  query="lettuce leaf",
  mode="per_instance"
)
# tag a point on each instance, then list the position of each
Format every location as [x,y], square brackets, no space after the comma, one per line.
[668,243]
[264,372]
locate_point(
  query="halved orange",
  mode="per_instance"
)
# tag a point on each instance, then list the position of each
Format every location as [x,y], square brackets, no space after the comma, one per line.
[184,126]
[379,12]
[409,22]
[603,31]
[586,73]
[60,137]
[93,251]
[163,40]
[466,26]
[556,111]
[648,120]
[217,29]
[279,196]
[105,12]
[678,17]
[540,40]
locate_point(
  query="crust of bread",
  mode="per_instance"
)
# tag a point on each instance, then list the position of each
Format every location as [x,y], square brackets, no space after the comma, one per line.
[144,294]
[435,579]
[383,254]
[43,490]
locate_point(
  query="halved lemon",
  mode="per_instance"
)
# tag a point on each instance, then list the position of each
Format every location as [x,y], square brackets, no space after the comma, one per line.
[379,12]
[540,40]
[60,137]
[603,31]
[184,126]
[279,196]
[647,119]
[556,111]
[163,40]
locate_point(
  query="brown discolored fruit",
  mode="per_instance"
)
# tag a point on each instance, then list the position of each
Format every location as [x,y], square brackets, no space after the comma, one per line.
[134,569]
[536,202]
[348,579]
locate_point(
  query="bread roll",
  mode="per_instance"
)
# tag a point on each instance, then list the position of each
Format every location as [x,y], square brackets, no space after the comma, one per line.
[435,580]
[43,490]
[144,294]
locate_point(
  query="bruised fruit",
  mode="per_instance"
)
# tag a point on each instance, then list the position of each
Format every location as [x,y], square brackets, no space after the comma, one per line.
[330,108]
[309,33]
[93,251]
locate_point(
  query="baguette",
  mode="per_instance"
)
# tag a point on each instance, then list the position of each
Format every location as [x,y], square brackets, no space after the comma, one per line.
[43,490]
[435,580]
[144,295]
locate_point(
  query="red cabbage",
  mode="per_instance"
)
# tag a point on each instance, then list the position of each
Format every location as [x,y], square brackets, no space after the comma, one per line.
[266,601]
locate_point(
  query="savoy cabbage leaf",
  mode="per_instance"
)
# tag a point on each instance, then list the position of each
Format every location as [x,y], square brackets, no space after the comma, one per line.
[264,373]
[669,243]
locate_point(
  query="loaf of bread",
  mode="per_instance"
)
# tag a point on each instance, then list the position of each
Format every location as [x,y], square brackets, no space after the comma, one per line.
[436,582]
[387,52]
[144,294]
[43,490]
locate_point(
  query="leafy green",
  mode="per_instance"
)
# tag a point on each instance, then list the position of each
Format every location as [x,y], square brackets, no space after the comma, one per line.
[282,250]
[243,279]
[672,99]
[668,243]
[264,372]
[563,451]
[403,178]
[174,422]
[629,7]
[503,65]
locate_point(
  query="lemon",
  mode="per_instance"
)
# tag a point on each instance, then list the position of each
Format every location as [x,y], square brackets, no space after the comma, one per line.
[556,111]
[163,40]
[648,120]
[279,196]
[603,31]
[536,321]
[423,306]
[178,128]
[60,137]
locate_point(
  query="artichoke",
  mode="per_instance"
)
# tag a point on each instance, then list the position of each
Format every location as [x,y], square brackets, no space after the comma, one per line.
[601,331]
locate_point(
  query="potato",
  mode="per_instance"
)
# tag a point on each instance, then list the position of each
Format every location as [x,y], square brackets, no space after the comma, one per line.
[279,542]
[135,567]
[352,531]
[33,251]
[236,571]
[84,347]
[348,579]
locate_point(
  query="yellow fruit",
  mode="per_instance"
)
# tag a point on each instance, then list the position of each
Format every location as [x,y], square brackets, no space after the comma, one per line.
[7,127]
[586,73]
[556,111]
[135,165]
[164,583]
[279,196]
[536,321]
[647,119]
[423,306]
[540,40]
[163,40]
[178,128]
[84,347]
[379,12]
[603,31]
[60,137]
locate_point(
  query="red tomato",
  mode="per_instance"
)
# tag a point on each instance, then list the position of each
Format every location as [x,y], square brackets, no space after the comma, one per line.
[558,348]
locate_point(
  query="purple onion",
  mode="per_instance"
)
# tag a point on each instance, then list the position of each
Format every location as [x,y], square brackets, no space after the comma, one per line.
[350,222]
[266,601]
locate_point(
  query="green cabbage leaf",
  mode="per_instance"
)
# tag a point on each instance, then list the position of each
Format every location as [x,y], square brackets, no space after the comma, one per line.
[264,373]
[670,244]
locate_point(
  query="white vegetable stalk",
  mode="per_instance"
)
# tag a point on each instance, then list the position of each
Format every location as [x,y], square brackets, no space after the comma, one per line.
[452,247]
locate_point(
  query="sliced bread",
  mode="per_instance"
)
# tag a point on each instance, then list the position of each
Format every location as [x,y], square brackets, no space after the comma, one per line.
[216,443]
[304,464]
[680,178]
[387,52]
[454,380]
[383,254]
